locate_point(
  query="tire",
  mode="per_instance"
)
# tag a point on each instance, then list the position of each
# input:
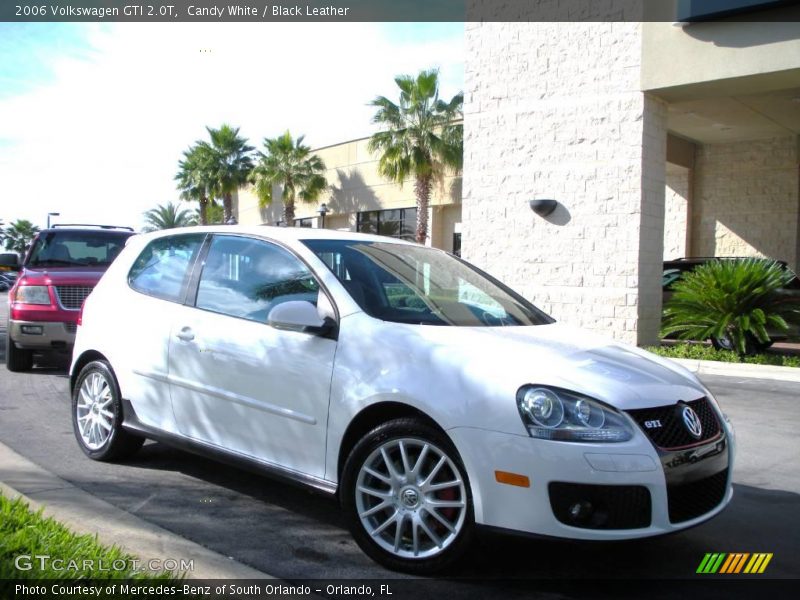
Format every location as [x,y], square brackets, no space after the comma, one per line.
[97,415]
[17,360]
[751,344]
[373,517]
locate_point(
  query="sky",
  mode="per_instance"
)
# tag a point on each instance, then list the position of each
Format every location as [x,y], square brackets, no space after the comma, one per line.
[94,117]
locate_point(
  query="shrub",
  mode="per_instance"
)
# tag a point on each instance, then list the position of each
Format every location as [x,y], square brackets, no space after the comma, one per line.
[731,302]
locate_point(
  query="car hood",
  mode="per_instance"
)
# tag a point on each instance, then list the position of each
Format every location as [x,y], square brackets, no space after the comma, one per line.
[558,355]
[63,275]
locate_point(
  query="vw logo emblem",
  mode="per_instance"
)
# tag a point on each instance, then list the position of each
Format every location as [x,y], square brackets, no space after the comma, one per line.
[410,497]
[692,422]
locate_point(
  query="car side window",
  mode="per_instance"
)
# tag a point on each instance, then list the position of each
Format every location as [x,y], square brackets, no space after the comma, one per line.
[162,269]
[246,278]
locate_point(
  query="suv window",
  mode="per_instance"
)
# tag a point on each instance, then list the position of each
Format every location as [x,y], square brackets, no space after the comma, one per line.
[162,269]
[245,278]
[80,248]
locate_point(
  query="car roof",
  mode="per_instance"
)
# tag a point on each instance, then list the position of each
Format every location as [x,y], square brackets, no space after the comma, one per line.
[282,234]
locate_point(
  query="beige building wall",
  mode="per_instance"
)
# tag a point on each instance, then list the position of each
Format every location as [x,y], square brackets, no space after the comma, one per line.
[722,58]
[746,199]
[555,110]
[676,215]
[355,186]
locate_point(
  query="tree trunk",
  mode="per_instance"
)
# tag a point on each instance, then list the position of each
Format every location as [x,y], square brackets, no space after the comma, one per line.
[288,212]
[203,211]
[227,207]
[422,189]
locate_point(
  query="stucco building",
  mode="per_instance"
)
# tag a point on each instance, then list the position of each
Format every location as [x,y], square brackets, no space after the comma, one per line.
[657,139]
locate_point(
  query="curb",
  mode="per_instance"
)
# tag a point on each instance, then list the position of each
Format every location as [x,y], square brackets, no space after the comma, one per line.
[713,367]
[84,513]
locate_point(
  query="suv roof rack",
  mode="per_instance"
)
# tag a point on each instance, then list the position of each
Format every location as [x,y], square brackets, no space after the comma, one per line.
[57,225]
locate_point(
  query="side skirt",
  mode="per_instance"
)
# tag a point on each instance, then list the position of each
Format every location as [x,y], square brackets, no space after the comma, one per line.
[131,423]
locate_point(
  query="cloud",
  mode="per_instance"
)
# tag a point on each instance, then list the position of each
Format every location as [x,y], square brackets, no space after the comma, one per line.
[98,140]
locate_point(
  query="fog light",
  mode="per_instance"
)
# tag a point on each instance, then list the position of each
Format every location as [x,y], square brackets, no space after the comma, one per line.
[581,511]
[32,329]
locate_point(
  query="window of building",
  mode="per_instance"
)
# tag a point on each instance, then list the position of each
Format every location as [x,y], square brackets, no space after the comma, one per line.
[246,278]
[162,269]
[398,223]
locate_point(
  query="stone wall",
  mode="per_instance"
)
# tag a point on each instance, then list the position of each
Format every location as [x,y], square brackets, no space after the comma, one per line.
[554,110]
[676,211]
[746,199]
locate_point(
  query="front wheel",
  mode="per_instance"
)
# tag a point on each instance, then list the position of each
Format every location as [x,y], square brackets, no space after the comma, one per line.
[17,359]
[97,415]
[407,497]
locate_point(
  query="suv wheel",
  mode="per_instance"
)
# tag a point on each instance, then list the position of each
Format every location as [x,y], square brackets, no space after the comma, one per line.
[17,359]
[406,497]
[97,415]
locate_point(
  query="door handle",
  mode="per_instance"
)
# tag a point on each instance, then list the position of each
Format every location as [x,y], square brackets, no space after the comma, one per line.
[185,334]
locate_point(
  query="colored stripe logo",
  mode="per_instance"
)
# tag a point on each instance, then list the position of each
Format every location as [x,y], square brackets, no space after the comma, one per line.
[734,563]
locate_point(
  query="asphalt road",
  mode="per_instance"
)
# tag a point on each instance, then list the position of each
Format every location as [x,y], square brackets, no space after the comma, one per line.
[292,533]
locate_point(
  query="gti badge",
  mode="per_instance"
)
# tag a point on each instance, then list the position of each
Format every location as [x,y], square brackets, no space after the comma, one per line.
[692,422]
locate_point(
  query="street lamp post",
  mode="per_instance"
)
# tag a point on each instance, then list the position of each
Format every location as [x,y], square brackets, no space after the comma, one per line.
[323,210]
[51,214]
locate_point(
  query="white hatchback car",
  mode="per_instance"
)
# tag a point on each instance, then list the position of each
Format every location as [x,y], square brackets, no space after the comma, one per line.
[426,394]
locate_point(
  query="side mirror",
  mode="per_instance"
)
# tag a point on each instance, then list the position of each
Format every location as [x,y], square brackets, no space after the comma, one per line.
[9,261]
[299,315]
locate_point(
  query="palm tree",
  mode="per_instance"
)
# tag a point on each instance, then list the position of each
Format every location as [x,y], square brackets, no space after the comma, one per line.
[214,214]
[230,163]
[18,235]
[732,302]
[421,138]
[196,179]
[168,216]
[289,165]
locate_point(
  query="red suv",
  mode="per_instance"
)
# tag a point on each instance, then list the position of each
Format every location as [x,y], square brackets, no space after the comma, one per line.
[60,269]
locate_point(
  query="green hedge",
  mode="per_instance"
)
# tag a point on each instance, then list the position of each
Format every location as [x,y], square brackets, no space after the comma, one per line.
[703,352]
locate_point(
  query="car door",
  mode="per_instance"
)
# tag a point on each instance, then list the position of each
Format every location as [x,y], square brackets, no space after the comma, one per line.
[237,382]
[139,321]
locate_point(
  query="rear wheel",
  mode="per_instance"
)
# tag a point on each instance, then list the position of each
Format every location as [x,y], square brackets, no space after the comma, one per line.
[17,359]
[97,415]
[406,495]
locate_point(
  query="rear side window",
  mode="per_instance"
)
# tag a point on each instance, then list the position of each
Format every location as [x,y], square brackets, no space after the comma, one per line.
[162,269]
[246,278]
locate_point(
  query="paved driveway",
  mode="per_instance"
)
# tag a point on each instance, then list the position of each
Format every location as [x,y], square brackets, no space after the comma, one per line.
[291,533]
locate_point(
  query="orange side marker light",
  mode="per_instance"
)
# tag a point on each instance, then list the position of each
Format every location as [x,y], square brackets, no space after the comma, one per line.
[512,479]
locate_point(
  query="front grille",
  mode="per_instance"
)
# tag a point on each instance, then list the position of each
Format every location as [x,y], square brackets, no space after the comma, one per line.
[690,500]
[71,327]
[673,433]
[601,506]
[72,296]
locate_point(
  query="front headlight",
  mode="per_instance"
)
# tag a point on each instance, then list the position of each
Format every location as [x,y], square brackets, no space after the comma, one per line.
[32,294]
[551,413]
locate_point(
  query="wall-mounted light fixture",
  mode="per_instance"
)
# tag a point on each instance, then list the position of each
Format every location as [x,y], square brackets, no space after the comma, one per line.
[323,210]
[543,207]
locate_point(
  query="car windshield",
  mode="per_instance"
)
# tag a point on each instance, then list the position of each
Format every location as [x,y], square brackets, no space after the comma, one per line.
[68,248]
[413,284]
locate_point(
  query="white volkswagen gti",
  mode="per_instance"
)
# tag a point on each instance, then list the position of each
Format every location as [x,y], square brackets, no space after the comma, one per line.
[429,397]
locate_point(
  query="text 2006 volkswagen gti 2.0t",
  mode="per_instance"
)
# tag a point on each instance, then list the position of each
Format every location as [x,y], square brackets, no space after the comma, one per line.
[429,397]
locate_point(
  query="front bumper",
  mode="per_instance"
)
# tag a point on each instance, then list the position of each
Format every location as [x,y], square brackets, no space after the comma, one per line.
[42,335]
[635,463]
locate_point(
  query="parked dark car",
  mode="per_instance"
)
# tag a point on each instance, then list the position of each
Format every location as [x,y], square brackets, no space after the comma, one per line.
[676,268]
[59,271]
[9,270]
